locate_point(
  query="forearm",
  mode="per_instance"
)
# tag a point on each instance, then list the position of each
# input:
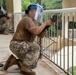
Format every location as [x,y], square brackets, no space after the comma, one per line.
[46,28]
[40,28]
[41,35]
[43,28]
[37,29]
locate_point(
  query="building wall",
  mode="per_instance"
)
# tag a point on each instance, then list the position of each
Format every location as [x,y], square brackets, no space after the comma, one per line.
[69,3]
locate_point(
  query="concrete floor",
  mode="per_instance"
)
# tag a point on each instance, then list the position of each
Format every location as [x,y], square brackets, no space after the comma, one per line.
[41,69]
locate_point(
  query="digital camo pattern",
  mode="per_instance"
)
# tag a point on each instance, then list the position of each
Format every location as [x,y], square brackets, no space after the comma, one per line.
[27,52]
[4,28]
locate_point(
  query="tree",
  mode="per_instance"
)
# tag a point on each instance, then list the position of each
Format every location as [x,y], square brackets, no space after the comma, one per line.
[25,4]
[52,4]
[34,1]
[47,4]
[3,3]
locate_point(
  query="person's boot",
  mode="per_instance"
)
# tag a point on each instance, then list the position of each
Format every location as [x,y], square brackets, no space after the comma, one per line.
[26,70]
[10,61]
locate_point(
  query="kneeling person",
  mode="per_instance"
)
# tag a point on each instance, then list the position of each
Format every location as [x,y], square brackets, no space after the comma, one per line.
[22,43]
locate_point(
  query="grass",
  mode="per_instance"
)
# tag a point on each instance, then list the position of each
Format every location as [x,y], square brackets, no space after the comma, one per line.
[70,70]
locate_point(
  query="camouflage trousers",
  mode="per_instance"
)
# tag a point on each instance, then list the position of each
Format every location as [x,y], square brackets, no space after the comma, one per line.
[27,52]
[4,28]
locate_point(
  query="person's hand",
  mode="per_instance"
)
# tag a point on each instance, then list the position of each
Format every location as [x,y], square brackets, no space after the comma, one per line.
[48,23]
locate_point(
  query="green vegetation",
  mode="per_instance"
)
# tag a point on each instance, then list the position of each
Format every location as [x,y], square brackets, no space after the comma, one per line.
[25,4]
[3,3]
[47,4]
[71,24]
[70,70]
[52,4]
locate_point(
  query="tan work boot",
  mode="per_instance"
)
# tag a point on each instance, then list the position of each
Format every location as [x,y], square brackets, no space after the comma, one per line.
[26,70]
[10,61]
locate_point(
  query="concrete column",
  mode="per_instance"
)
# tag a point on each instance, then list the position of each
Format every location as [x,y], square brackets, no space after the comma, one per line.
[17,6]
[9,6]
[14,7]
[17,10]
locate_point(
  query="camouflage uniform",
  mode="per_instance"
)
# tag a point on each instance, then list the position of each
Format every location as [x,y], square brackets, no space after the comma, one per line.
[23,45]
[4,28]
[3,25]
[27,52]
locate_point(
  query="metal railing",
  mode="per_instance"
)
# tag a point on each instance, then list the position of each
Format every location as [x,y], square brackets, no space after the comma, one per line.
[60,41]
